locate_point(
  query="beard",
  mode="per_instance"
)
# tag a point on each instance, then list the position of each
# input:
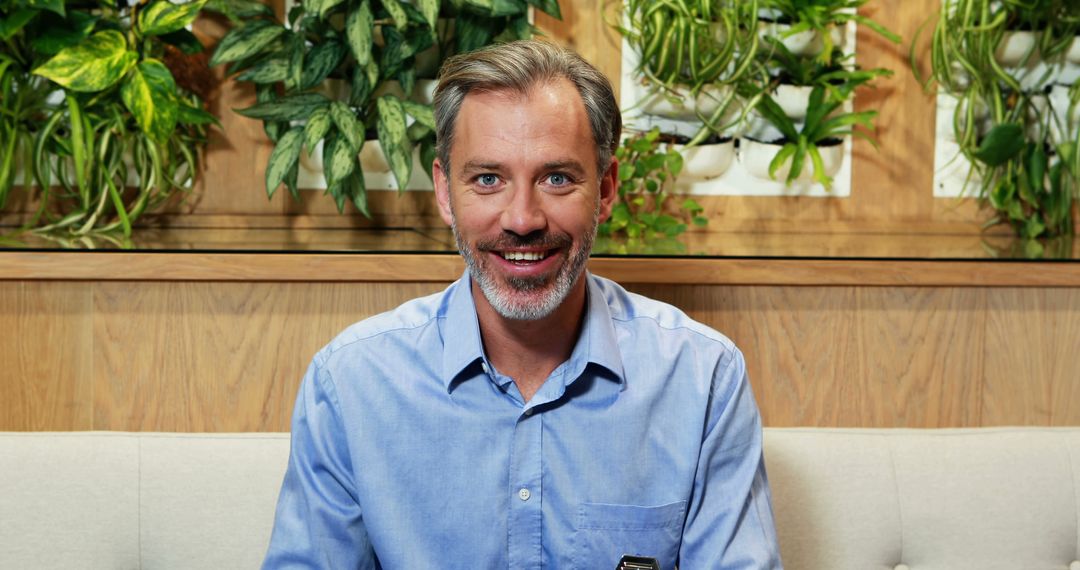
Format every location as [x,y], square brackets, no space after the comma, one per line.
[527,298]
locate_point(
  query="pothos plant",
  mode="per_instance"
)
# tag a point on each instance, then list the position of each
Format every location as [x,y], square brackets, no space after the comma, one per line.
[372,47]
[647,172]
[101,109]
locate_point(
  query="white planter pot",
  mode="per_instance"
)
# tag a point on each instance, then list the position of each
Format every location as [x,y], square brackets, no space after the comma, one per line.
[678,104]
[1017,48]
[1072,55]
[807,44]
[707,160]
[755,158]
[793,99]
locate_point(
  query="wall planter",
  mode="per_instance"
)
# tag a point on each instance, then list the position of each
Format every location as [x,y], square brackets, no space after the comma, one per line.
[760,160]
[708,159]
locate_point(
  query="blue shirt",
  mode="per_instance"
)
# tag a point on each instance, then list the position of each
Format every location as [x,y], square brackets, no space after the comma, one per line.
[410,451]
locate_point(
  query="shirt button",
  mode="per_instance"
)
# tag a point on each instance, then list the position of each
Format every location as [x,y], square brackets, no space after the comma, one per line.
[524,494]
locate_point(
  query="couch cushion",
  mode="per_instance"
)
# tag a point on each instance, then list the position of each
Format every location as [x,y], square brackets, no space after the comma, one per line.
[69,500]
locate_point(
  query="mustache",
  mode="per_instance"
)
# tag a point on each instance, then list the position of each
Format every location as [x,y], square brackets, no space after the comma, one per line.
[536,240]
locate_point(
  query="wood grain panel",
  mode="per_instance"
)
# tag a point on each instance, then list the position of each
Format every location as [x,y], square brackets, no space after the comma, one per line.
[1032,356]
[586,28]
[217,357]
[45,356]
[919,356]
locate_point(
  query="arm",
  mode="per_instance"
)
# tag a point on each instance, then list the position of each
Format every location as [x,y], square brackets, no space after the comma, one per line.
[318,523]
[729,522]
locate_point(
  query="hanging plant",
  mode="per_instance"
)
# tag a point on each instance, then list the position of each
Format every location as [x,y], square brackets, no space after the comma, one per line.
[101,110]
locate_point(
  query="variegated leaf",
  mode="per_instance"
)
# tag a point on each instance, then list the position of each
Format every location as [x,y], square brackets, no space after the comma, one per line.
[339,160]
[394,140]
[162,16]
[321,61]
[358,29]
[287,108]
[328,6]
[285,155]
[397,13]
[267,71]
[245,41]
[318,125]
[430,9]
[549,7]
[149,93]
[358,192]
[423,114]
[91,65]
[347,124]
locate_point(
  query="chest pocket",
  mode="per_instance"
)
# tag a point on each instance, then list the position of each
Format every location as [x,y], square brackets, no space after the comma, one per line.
[605,533]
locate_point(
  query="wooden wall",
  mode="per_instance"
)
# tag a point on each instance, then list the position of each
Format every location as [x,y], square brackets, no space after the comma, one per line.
[891,188]
[228,356]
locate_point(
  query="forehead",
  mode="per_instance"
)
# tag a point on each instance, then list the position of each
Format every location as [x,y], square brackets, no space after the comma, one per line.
[503,124]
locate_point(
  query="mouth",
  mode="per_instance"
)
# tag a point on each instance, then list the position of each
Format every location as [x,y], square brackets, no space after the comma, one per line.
[524,257]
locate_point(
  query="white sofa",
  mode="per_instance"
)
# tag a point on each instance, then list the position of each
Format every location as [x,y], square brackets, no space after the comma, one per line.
[844,499]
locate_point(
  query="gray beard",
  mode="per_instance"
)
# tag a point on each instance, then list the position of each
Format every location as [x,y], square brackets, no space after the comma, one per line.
[528,310]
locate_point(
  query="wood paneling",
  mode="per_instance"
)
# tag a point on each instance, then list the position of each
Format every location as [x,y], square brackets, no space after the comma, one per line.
[45,355]
[1032,357]
[217,357]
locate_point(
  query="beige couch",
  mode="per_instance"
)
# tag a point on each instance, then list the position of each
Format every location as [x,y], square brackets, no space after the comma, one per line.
[844,499]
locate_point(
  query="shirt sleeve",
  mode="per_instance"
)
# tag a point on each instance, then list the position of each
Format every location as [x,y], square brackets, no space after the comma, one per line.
[729,523]
[318,523]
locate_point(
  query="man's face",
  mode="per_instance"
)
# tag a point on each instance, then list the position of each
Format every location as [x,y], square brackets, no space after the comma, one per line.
[523,195]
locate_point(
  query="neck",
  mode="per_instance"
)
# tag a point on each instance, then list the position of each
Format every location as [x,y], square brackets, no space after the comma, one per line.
[528,351]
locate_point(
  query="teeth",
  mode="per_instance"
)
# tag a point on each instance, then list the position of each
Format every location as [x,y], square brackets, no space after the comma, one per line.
[523,255]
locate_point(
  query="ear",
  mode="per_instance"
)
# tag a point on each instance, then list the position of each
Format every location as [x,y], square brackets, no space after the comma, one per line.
[609,189]
[442,191]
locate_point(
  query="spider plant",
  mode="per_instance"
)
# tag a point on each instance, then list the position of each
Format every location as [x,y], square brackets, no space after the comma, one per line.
[820,16]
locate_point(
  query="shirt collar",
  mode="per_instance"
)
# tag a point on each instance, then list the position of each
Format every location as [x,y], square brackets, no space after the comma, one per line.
[462,345]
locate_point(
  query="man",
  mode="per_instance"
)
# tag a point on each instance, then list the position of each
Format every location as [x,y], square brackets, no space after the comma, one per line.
[531,415]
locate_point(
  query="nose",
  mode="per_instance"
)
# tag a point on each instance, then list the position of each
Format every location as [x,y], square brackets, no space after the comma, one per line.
[524,214]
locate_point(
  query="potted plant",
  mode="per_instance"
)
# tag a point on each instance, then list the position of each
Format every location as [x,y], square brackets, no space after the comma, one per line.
[102,110]
[817,142]
[1006,81]
[813,28]
[368,50]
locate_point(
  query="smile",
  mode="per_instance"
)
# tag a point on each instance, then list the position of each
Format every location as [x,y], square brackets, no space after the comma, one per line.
[524,255]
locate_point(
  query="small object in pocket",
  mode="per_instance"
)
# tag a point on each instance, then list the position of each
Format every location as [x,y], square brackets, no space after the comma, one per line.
[637,563]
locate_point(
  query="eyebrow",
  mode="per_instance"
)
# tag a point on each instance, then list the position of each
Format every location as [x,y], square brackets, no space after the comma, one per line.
[565,164]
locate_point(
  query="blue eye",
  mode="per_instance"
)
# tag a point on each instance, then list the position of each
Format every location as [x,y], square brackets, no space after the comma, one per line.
[558,179]
[487,179]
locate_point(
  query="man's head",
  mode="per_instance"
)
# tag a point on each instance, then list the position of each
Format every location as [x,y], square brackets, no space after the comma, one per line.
[525,137]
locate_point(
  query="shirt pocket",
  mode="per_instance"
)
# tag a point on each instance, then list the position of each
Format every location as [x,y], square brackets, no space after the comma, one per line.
[605,533]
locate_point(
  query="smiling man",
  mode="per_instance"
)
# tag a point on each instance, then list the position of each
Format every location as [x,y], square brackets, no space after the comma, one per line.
[531,415]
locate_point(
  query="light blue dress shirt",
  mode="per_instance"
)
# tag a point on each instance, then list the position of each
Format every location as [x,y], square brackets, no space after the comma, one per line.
[410,451]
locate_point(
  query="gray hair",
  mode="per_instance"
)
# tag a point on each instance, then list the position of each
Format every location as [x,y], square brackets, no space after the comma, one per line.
[519,66]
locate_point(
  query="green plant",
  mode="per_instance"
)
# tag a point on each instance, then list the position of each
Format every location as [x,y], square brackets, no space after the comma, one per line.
[90,103]
[838,74]
[825,121]
[646,174]
[820,16]
[372,48]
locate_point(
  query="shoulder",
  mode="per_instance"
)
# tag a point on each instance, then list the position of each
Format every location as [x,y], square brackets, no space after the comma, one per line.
[400,325]
[640,313]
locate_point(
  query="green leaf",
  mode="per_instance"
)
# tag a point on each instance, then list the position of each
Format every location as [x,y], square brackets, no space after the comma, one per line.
[397,13]
[348,125]
[245,41]
[502,8]
[184,40]
[163,17]
[189,115]
[294,71]
[423,114]
[320,61]
[393,138]
[549,7]
[55,33]
[267,71]
[10,25]
[1001,144]
[91,65]
[328,6]
[236,10]
[285,155]
[149,92]
[339,159]
[288,108]
[316,128]
[55,6]
[358,192]
[358,29]
[430,9]
[471,32]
